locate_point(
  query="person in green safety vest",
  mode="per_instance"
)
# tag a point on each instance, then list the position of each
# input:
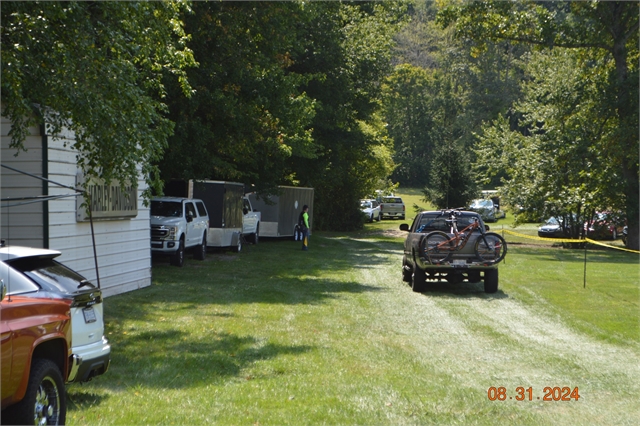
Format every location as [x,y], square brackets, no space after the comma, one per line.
[303,223]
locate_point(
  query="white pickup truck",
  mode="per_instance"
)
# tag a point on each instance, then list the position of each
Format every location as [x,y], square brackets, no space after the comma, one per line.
[391,206]
[250,221]
[178,224]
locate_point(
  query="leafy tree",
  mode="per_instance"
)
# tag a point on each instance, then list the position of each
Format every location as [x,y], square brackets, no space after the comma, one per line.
[347,53]
[451,183]
[95,68]
[444,71]
[247,115]
[557,169]
[287,93]
[606,34]
[412,126]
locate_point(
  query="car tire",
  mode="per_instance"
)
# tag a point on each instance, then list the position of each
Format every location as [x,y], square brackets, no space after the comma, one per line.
[201,251]
[490,280]
[418,280]
[407,271]
[45,399]
[177,259]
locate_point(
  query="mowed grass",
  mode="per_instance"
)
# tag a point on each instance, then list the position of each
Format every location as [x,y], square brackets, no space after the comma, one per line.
[274,335]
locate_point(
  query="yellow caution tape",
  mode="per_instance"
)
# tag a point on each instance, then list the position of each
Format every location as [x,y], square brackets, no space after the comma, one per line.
[567,240]
[609,246]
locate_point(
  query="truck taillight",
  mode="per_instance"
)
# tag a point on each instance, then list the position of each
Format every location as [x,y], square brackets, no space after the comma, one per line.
[403,207]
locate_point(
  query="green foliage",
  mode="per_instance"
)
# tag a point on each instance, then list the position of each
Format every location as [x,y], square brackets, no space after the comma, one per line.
[452,184]
[558,169]
[287,93]
[247,115]
[448,91]
[95,68]
[347,54]
[605,36]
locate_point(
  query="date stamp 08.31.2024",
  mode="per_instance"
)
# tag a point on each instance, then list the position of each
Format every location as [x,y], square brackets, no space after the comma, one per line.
[521,393]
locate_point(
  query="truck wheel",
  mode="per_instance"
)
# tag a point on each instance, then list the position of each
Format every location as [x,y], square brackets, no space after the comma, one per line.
[490,280]
[418,280]
[407,272]
[256,238]
[201,251]
[45,400]
[177,259]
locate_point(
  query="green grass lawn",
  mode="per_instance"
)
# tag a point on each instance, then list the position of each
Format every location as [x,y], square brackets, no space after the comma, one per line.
[274,336]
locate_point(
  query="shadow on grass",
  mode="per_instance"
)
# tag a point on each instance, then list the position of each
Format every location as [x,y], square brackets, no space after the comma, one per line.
[173,360]
[463,290]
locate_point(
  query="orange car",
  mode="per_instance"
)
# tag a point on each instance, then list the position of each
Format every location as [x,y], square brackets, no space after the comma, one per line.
[36,358]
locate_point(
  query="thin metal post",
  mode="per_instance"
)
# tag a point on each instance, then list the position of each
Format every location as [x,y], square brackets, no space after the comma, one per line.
[584,285]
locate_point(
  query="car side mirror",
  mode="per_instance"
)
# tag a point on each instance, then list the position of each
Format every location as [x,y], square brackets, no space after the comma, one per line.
[245,210]
[486,227]
[189,217]
[404,227]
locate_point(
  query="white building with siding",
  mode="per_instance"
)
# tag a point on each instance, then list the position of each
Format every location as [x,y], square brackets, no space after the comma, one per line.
[121,224]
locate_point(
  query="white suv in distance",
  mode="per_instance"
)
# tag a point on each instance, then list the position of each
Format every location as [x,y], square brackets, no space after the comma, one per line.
[178,224]
[33,272]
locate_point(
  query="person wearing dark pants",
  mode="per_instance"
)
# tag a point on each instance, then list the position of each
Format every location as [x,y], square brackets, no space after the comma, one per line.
[303,221]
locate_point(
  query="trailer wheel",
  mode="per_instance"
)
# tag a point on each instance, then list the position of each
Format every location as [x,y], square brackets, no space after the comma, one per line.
[490,280]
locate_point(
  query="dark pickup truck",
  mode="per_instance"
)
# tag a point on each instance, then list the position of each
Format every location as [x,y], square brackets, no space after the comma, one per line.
[473,261]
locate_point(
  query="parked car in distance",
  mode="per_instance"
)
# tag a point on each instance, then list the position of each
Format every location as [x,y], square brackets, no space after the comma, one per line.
[391,206]
[603,226]
[486,209]
[36,358]
[178,224]
[34,272]
[553,228]
[371,209]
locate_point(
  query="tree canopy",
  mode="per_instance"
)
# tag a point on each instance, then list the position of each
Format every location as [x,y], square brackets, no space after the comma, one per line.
[604,37]
[95,68]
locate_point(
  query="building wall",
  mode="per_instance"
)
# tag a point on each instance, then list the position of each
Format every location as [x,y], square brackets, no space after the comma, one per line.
[25,221]
[122,245]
